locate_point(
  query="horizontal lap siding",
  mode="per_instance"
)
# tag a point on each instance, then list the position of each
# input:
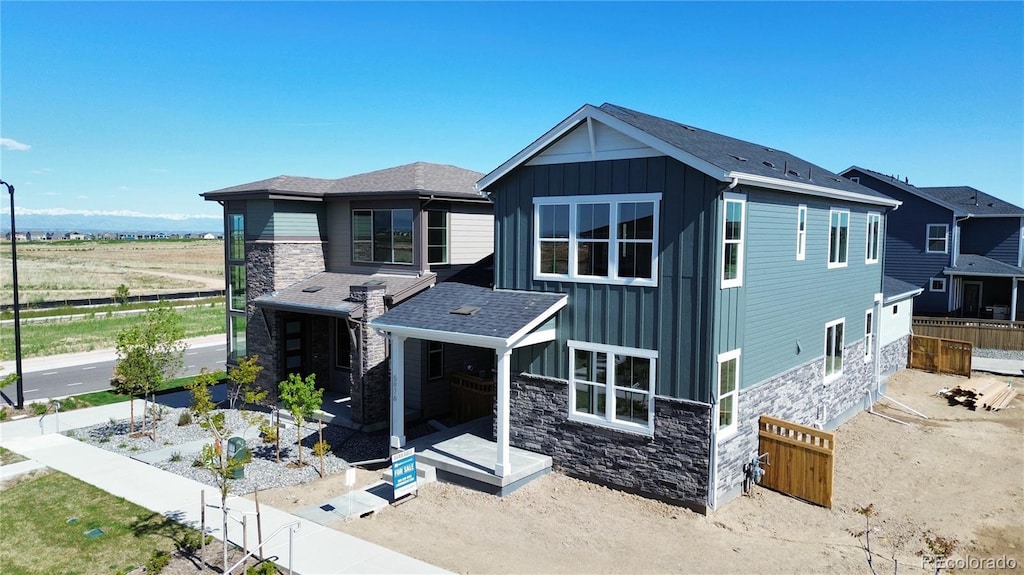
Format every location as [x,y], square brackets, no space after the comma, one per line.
[997,238]
[471,234]
[788,302]
[671,318]
[283,220]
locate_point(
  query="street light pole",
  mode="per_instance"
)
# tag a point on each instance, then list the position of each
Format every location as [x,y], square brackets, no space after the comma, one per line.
[17,308]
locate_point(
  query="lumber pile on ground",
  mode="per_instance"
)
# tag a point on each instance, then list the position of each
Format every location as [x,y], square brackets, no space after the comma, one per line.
[990,395]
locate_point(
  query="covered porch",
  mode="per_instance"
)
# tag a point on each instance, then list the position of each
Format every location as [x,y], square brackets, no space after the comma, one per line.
[498,320]
[985,288]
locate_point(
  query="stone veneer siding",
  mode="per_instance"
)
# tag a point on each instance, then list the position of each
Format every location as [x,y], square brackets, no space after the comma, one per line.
[371,383]
[271,266]
[801,396]
[672,465]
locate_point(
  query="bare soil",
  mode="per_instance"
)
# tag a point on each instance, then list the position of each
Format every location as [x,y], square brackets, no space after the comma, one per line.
[958,474]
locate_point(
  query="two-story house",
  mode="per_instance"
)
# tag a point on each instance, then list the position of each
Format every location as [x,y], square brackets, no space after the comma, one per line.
[963,247]
[657,288]
[310,262]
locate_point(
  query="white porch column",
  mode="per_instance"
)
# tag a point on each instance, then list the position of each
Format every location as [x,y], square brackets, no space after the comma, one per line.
[397,391]
[502,467]
[1013,299]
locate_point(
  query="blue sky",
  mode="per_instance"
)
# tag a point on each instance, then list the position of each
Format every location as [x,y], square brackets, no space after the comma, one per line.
[140,107]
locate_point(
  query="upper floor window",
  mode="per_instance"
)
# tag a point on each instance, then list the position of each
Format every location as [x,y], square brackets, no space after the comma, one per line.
[874,239]
[600,239]
[437,237]
[938,239]
[732,242]
[236,237]
[612,385]
[382,236]
[834,348]
[838,238]
[801,231]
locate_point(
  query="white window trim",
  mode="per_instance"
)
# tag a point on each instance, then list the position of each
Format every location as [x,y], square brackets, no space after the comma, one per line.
[878,238]
[801,234]
[838,264]
[728,431]
[837,374]
[608,420]
[928,239]
[869,335]
[738,280]
[613,248]
[931,285]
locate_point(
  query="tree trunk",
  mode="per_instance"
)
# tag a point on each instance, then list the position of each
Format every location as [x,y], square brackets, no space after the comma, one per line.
[298,438]
[131,410]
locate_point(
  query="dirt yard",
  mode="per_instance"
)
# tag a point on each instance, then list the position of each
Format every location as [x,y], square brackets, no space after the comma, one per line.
[958,474]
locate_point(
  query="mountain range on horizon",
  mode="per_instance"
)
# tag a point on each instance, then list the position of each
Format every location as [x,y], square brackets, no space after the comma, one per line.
[108,223]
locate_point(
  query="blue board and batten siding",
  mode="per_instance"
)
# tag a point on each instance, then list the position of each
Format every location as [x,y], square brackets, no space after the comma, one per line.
[997,238]
[784,303]
[673,318]
[906,257]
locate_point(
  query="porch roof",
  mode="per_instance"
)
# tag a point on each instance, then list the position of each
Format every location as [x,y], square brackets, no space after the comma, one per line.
[327,293]
[975,265]
[461,313]
[894,289]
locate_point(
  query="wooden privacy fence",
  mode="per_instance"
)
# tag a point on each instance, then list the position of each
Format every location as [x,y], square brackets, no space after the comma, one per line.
[801,460]
[937,355]
[472,397]
[983,333]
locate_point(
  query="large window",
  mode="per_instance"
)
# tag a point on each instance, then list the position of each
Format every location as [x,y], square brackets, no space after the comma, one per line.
[382,236]
[599,239]
[728,390]
[801,232]
[236,237]
[938,239]
[237,330]
[732,243]
[834,348]
[236,287]
[838,238]
[874,238]
[612,386]
[437,237]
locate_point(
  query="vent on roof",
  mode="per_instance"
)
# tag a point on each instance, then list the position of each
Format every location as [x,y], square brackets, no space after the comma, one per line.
[373,283]
[769,164]
[793,173]
[312,289]
[740,158]
[769,150]
[465,310]
[836,180]
[688,128]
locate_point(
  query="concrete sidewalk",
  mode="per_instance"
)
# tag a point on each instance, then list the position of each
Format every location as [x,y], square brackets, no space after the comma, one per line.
[1000,366]
[33,364]
[314,549]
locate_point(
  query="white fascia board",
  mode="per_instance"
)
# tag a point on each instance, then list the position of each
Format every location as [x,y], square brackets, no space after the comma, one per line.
[973,216]
[902,296]
[981,274]
[472,340]
[514,339]
[810,189]
[957,212]
[586,114]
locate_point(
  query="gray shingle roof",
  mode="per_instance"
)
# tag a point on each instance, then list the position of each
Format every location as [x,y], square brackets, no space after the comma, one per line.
[419,178]
[501,314]
[896,289]
[973,201]
[734,155]
[975,265]
[332,297]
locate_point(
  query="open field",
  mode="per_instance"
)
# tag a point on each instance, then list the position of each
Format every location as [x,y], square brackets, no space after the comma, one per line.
[49,271]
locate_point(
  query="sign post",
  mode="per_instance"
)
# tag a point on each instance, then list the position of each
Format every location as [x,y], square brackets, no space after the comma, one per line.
[403,472]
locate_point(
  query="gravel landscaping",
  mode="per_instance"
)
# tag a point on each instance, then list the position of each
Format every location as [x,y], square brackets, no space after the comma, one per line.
[176,448]
[997,353]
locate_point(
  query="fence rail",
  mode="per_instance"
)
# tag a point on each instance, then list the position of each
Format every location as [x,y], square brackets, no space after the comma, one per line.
[801,459]
[982,333]
[86,302]
[938,355]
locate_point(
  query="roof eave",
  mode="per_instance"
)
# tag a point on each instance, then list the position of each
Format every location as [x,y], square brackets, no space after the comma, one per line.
[908,189]
[902,296]
[810,189]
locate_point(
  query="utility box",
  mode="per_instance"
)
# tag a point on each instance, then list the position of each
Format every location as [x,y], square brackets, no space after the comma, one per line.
[238,450]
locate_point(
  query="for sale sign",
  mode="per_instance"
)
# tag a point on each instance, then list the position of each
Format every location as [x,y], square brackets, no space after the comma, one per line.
[403,472]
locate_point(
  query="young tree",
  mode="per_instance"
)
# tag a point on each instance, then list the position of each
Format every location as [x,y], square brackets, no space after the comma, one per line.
[199,388]
[243,382]
[148,352]
[300,397]
[214,457]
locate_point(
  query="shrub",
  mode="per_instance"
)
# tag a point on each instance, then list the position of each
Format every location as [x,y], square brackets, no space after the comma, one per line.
[39,408]
[176,457]
[185,418]
[3,413]
[265,568]
[268,431]
[158,561]
[191,542]
[121,294]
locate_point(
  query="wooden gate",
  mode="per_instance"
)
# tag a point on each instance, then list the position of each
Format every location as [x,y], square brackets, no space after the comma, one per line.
[937,355]
[800,461]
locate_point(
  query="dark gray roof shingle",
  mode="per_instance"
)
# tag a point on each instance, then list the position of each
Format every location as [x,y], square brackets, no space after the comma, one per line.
[973,201]
[971,264]
[332,297]
[896,289]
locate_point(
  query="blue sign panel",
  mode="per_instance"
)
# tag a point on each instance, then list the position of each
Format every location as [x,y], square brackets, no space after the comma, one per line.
[403,472]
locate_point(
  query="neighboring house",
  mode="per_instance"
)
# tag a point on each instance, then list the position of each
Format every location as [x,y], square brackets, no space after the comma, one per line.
[657,288]
[964,247]
[309,262]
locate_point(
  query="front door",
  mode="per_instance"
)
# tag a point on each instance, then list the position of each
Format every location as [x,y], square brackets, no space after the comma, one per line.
[972,299]
[295,344]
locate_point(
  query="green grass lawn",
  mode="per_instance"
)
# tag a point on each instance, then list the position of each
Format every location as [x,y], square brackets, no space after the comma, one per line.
[8,457]
[40,536]
[99,331]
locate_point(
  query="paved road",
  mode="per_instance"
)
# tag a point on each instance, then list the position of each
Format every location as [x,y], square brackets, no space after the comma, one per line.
[73,374]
